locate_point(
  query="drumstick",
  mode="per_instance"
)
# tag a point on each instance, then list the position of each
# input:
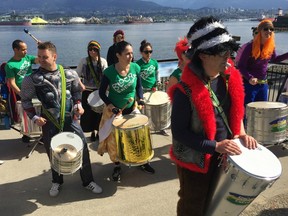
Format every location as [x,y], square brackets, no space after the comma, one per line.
[151,92]
[129,101]
[27,32]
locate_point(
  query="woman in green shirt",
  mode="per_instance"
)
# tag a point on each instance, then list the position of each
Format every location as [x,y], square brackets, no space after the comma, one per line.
[122,79]
[149,71]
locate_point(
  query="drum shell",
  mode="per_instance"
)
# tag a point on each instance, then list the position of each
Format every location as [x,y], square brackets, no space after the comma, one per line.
[134,145]
[28,127]
[95,102]
[159,114]
[66,167]
[235,191]
[267,125]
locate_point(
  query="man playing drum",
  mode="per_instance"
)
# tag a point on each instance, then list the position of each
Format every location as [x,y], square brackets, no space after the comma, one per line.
[202,127]
[61,99]
[19,66]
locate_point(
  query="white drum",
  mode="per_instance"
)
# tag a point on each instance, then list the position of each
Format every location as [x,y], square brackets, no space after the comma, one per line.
[95,102]
[66,153]
[28,127]
[267,121]
[158,109]
[243,177]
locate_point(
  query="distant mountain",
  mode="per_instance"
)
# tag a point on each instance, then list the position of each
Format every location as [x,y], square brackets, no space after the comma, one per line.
[247,4]
[77,5]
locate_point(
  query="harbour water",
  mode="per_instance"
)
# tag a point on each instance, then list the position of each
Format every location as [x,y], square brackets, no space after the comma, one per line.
[71,40]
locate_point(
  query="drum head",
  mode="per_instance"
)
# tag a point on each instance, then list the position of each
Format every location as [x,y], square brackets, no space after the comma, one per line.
[260,162]
[156,98]
[94,99]
[66,138]
[266,105]
[65,152]
[130,121]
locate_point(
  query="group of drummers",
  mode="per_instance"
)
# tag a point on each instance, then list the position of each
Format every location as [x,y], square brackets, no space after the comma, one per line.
[94,97]
[120,101]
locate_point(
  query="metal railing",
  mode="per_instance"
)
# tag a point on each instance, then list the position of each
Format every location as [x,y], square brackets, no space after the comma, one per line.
[277,75]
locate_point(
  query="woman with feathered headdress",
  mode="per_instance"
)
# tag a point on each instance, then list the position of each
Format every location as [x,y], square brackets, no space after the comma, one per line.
[181,49]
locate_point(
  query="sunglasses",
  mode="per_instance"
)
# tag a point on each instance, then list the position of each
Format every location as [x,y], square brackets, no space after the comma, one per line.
[267,29]
[224,53]
[93,49]
[148,51]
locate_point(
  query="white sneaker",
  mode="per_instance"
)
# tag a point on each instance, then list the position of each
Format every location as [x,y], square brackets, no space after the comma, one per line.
[94,187]
[54,191]
[1,162]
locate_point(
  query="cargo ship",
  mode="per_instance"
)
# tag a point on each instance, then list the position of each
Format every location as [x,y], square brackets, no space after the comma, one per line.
[137,19]
[281,21]
[15,19]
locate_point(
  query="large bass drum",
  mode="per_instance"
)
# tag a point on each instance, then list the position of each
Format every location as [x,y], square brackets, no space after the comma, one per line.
[133,139]
[66,153]
[267,121]
[158,109]
[242,178]
[28,127]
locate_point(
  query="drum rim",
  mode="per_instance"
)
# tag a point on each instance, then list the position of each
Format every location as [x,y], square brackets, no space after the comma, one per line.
[139,126]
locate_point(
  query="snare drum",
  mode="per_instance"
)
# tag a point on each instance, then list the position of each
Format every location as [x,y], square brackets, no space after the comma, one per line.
[242,178]
[66,153]
[95,102]
[267,121]
[158,109]
[133,140]
[28,127]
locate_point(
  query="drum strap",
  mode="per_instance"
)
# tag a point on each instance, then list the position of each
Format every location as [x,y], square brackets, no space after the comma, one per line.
[60,125]
[218,106]
[188,92]
[92,71]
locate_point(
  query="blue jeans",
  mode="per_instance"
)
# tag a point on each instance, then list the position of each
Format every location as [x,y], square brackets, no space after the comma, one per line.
[258,92]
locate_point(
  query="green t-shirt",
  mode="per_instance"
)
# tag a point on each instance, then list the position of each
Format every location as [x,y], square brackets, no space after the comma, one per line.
[121,88]
[19,69]
[148,72]
[177,73]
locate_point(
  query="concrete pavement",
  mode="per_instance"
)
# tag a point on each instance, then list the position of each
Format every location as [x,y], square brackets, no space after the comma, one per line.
[25,182]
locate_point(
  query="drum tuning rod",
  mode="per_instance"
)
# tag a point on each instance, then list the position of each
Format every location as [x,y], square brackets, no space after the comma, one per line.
[27,32]
[129,101]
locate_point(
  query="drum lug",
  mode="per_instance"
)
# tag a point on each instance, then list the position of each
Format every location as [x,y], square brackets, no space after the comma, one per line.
[234,176]
[255,186]
[245,182]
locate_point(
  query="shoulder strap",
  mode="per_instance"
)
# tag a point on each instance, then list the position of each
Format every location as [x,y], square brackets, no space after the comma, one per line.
[188,92]
[92,71]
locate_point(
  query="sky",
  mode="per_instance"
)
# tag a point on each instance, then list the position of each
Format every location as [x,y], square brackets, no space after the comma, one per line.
[249,4]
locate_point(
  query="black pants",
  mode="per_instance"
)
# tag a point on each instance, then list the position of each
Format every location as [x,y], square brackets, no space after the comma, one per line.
[90,120]
[49,130]
[196,189]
